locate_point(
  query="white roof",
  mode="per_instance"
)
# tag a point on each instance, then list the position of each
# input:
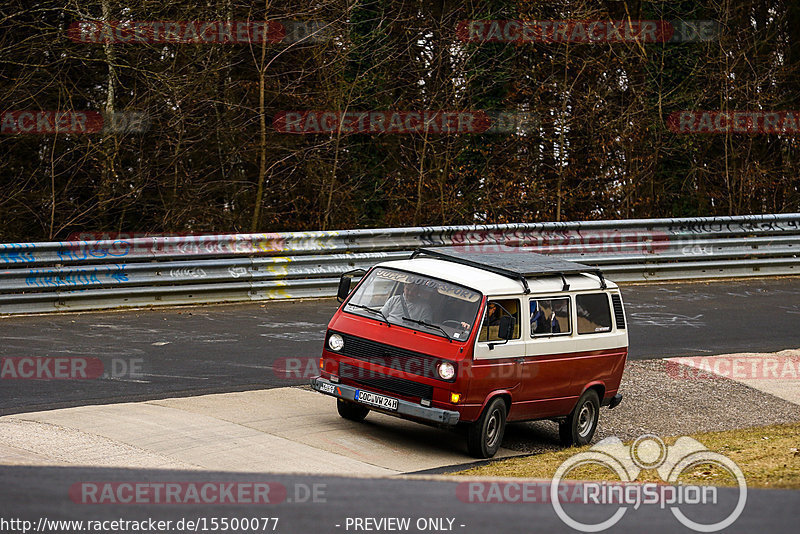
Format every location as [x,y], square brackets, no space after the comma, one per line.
[490,283]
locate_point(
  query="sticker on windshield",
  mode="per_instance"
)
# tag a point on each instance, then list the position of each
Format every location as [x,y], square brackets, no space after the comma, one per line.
[443,288]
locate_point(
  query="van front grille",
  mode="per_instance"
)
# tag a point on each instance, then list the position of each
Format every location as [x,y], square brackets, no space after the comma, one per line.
[407,361]
[380,381]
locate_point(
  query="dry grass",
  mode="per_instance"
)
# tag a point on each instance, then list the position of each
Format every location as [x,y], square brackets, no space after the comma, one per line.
[769,457]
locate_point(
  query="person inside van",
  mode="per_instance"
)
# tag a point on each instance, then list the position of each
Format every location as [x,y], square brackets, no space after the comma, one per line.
[411,303]
[494,312]
[539,322]
[493,315]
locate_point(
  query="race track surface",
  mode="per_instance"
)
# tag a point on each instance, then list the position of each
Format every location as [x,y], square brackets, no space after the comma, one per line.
[161,353]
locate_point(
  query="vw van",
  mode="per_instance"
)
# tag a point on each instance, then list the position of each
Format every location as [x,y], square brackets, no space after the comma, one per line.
[477,339]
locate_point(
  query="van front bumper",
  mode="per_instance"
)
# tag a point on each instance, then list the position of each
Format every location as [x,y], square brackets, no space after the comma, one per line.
[404,408]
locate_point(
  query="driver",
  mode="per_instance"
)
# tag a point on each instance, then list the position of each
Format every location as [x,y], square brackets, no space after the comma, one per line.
[411,303]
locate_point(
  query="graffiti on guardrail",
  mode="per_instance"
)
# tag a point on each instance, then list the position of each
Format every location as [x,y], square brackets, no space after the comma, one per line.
[236,272]
[85,251]
[58,277]
[17,253]
[187,272]
[705,226]
[124,244]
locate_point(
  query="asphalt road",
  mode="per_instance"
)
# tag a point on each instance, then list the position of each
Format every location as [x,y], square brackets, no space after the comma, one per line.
[38,493]
[159,353]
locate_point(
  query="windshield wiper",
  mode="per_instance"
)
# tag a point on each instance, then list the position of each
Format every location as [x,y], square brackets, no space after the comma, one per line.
[373,310]
[423,323]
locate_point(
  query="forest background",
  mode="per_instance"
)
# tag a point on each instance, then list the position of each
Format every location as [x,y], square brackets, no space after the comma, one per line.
[592,142]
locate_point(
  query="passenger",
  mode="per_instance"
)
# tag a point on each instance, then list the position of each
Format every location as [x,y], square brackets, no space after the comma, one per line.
[493,315]
[539,323]
[412,303]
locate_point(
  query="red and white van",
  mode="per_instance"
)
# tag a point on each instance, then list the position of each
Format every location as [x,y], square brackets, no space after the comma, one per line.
[452,337]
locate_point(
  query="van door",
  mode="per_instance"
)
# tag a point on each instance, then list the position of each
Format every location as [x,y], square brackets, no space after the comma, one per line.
[495,362]
[548,366]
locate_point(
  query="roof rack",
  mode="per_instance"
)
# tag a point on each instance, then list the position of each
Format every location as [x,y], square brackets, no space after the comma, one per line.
[516,266]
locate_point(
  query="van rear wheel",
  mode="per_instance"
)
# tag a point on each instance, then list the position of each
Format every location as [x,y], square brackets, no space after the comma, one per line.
[579,427]
[486,434]
[351,410]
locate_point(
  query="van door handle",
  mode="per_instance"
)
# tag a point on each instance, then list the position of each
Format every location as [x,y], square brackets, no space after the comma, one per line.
[520,360]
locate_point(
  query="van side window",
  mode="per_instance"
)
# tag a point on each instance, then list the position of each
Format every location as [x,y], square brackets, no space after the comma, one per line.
[496,309]
[550,317]
[594,315]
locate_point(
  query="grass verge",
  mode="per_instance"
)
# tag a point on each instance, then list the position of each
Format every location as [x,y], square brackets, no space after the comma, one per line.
[769,457]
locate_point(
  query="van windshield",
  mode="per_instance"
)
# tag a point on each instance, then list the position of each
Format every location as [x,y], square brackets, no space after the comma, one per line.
[417,302]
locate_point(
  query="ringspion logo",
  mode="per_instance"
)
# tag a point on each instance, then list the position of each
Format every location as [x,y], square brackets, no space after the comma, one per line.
[670,462]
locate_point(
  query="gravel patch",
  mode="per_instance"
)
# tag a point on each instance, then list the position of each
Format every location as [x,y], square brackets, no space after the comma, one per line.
[656,403]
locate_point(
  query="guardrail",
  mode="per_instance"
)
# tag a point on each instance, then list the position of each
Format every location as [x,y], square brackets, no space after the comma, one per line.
[113,273]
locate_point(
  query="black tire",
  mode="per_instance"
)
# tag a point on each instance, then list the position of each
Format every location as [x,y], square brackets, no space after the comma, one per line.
[351,410]
[486,434]
[579,427]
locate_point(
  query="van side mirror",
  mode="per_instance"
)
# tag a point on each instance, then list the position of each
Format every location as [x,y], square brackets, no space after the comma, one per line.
[344,288]
[344,283]
[506,330]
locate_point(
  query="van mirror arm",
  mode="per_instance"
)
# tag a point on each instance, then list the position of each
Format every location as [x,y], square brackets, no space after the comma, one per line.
[493,345]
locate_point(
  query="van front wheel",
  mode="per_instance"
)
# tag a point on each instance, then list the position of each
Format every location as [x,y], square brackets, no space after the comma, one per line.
[351,410]
[580,425]
[486,434]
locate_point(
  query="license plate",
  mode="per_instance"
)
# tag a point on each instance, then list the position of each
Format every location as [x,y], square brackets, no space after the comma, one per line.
[326,388]
[379,401]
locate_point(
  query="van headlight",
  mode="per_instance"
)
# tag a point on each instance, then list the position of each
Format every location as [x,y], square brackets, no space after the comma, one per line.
[335,342]
[446,370]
